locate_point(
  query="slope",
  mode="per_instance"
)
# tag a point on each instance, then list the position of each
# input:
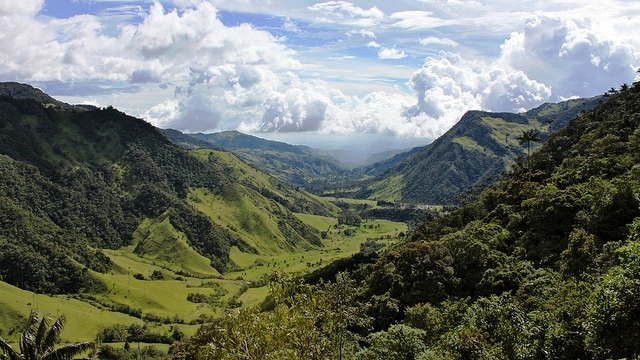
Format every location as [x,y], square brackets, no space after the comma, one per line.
[296,165]
[475,150]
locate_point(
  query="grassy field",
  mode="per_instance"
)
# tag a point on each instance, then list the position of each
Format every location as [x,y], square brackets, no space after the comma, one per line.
[165,300]
[83,319]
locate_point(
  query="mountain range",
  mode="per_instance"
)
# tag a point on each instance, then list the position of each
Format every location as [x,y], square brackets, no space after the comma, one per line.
[74,181]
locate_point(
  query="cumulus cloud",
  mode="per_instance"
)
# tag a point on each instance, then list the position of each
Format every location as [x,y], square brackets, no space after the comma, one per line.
[391,53]
[448,86]
[569,57]
[26,7]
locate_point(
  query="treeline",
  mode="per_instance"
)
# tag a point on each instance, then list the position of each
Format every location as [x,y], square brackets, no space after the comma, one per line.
[545,264]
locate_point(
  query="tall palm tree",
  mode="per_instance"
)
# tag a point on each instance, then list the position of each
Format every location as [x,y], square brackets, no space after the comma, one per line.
[527,137]
[549,122]
[39,339]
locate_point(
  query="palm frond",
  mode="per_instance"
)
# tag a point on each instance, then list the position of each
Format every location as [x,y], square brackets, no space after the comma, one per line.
[8,352]
[53,334]
[41,334]
[27,339]
[69,351]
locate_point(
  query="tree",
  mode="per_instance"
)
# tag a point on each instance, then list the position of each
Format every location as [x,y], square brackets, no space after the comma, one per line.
[527,137]
[549,122]
[39,339]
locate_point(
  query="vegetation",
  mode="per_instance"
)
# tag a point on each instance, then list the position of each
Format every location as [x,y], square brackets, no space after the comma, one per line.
[296,165]
[543,264]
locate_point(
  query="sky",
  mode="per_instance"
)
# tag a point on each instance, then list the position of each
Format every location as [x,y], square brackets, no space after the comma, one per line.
[331,74]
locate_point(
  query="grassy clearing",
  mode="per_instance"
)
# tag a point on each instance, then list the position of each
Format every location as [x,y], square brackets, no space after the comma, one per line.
[389,189]
[505,133]
[165,298]
[159,241]
[84,321]
[471,144]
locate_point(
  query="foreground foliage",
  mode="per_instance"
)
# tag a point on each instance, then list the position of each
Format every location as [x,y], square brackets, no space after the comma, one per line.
[39,340]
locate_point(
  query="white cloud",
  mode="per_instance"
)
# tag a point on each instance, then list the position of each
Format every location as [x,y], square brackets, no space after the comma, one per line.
[391,53]
[25,7]
[362,33]
[290,25]
[432,40]
[346,12]
[373,44]
[569,57]
[448,86]
[416,19]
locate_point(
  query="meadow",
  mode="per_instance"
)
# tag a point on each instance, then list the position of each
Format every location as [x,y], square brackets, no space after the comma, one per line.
[154,288]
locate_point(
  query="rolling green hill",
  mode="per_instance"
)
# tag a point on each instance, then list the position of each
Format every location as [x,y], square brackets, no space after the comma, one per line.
[74,182]
[297,165]
[474,151]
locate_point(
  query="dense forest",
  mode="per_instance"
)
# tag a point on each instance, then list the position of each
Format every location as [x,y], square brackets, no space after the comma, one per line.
[545,264]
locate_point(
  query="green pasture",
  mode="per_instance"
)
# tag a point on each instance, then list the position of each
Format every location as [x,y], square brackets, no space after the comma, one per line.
[84,320]
[184,271]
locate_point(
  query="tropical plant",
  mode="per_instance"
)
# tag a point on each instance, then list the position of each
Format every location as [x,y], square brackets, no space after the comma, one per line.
[39,340]
[527,137]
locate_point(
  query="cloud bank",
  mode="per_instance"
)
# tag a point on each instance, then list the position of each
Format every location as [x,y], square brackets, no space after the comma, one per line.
[225,77]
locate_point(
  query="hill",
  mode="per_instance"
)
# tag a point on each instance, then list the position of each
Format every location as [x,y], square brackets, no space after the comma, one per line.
[297,165]
[476,150]
[74,183]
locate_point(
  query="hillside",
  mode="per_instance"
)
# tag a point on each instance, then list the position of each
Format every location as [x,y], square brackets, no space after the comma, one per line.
[544,264]
[73,183]
[296,165]
[477,149]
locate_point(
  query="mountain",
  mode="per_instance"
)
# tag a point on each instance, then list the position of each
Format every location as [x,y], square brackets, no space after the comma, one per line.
[380,166]
[24,91]
[382,156]
[293,164]
[476,150]
[74,183]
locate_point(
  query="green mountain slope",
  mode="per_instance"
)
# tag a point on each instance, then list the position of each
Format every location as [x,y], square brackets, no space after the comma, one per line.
[297,165]
[74,182]
[478,148]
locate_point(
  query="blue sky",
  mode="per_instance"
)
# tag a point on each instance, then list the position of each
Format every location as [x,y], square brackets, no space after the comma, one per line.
[325,73]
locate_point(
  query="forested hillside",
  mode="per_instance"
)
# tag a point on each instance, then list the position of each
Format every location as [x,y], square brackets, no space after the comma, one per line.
[475,151]
[545,264]
[293,164]
[73,182]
